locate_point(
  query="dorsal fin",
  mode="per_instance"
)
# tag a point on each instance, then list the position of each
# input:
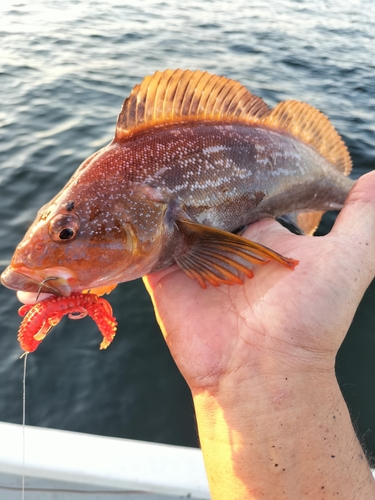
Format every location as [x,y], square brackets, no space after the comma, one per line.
[313,128]
[177,95]
[170,96]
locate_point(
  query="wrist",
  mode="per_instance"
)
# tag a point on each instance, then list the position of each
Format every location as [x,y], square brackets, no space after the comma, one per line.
[260,401]
[295,431]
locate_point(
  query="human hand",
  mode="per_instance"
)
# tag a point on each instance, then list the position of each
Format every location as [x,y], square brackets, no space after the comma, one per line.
[259,360]
[280,320]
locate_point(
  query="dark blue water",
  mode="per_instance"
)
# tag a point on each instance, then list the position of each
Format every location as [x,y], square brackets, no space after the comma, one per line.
[65,69]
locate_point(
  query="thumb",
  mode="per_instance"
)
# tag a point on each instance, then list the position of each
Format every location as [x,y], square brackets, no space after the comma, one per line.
[354,229]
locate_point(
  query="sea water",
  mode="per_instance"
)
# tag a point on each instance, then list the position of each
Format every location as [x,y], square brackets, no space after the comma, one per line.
[65,69]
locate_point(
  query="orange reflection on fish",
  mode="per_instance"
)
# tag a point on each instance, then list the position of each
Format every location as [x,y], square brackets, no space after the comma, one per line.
[195,158]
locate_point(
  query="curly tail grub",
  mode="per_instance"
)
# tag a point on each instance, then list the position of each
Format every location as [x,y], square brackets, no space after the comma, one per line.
[41,317]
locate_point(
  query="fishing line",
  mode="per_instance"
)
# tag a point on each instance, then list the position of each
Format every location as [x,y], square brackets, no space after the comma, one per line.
[24,356]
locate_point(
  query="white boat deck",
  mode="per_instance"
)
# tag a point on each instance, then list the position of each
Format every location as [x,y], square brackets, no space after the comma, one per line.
[46,489]
[63,465]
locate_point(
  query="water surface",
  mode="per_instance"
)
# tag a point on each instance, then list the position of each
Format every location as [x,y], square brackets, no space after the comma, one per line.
[65,69]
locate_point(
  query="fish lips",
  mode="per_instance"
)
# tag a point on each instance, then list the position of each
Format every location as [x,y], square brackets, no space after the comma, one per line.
[47,281]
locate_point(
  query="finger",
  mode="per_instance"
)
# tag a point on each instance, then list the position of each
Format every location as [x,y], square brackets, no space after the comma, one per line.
[354,229]
[357,218]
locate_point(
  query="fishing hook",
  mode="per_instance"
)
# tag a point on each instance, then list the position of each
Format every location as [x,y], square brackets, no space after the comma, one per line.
[41,286]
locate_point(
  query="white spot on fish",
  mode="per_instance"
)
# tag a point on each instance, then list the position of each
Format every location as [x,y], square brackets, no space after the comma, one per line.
[214,149]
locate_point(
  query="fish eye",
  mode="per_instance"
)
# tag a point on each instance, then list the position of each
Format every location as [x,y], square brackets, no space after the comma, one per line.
[64,228]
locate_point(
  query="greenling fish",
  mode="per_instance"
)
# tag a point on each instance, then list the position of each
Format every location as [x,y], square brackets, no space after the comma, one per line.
[195,158]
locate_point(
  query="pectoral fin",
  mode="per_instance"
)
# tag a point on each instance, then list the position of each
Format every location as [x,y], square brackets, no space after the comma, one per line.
[217,257]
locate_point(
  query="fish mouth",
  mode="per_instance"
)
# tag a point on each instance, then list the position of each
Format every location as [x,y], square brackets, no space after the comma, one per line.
[56,280]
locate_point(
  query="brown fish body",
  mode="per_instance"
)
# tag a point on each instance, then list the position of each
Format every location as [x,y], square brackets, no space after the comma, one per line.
[227,175]
[151,197]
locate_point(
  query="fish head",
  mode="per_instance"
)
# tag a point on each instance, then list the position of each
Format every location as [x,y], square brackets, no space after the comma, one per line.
[95,233]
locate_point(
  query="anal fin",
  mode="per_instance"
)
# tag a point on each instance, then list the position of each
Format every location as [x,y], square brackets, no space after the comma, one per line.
[217,257]
[305,223]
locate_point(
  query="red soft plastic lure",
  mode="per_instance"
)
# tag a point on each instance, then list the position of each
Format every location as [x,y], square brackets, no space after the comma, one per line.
[41,317]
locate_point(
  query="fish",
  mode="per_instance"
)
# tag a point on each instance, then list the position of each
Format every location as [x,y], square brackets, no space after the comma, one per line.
[195,158]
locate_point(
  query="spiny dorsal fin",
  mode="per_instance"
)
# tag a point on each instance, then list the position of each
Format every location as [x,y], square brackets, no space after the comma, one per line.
[313,128]
[170,96]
